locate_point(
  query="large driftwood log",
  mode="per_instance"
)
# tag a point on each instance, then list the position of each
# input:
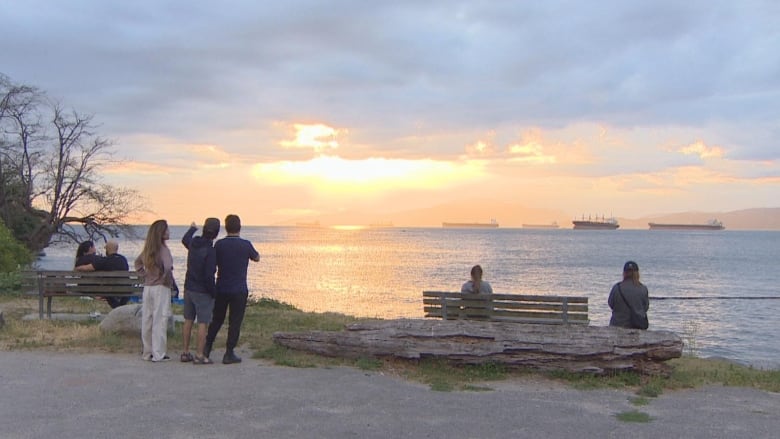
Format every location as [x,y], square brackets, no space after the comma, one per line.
[573,348]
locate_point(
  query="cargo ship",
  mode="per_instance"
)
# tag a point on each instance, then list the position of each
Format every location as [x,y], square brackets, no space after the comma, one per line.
[493,224]
[596,224]
[552,225]
[710,225]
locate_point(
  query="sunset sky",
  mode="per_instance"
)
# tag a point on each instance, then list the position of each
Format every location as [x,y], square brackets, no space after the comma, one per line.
[291,110]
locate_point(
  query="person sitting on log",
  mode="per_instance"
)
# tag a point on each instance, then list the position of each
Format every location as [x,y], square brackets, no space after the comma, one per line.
[629,300]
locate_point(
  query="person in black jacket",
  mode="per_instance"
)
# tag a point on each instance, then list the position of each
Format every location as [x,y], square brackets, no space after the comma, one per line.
[199,287]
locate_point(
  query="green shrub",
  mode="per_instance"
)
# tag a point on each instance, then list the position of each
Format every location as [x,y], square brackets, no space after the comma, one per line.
[13,254]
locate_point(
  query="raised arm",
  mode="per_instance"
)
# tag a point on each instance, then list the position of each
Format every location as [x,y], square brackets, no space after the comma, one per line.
[187,238]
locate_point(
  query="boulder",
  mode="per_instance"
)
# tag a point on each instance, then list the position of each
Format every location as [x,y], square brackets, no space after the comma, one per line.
[126,319]
[574,348]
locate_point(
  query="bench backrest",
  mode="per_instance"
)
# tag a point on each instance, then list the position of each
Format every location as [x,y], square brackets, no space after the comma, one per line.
[506,307]
[83,283]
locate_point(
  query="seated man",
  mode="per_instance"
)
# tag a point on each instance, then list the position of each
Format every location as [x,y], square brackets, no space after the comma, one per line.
[112,261]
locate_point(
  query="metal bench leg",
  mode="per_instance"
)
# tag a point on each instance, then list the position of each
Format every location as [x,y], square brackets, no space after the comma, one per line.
[40,297]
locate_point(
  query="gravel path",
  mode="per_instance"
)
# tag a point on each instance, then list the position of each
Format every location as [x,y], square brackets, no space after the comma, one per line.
[65,395]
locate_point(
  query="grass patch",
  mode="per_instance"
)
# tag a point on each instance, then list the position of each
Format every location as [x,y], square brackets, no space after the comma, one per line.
[441,385]
[443,376]
[368,364]
[639,401]
[586,381]
[474,388]
[651,389]
[696,372]
[634,416]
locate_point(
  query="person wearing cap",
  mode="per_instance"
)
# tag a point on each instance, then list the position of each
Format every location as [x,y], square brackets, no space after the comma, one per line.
[112,261]
[199,287]
[629,299]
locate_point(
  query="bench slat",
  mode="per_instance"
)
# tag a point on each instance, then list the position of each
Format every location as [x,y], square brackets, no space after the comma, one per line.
[506,307]
[513,305]
[512,297]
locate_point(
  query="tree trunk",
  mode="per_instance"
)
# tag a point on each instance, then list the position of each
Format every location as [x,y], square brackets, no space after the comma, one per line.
[574,348]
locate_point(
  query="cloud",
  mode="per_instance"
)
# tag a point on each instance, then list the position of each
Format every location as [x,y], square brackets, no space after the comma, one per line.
[315,136]
[703,151]
[332,173]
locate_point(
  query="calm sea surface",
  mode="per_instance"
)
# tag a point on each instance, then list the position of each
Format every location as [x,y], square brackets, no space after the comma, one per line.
[382,272]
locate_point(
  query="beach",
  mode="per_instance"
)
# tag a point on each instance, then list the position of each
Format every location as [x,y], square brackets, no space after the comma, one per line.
[71,395]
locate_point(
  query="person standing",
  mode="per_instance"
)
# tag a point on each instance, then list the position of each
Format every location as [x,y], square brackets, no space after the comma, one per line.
[476,285]
[199,287]
[156,262]
[113,261]
[629,300]
[233,256]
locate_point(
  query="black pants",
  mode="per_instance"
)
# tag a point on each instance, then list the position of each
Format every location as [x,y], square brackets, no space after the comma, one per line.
[236,303]
[115,302]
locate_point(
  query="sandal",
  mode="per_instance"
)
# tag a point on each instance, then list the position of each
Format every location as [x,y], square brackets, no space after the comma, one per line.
[186,357]
[196,360]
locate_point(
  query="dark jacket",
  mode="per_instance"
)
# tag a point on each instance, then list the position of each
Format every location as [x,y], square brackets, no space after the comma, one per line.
[636,296]
[201,264]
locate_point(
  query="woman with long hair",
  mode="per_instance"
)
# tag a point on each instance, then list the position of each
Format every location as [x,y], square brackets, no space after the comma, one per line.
[476,285]
[156,262]
[85,253]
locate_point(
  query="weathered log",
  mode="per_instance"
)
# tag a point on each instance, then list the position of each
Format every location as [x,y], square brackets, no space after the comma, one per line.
[573,348]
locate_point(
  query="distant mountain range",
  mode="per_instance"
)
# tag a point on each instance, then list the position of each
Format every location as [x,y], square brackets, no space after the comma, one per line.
[511,215]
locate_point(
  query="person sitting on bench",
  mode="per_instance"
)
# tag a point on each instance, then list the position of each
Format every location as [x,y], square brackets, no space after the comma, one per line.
[112,261]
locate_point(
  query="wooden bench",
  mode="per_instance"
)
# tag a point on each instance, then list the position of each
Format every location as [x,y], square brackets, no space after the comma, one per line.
[50,284]
[506,307]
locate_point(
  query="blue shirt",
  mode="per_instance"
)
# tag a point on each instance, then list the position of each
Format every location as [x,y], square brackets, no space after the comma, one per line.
[233,255]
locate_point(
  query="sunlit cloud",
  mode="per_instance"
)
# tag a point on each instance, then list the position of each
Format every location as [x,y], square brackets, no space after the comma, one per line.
[131,168]
[702,150]
[374,174]
[210,156]
[530,150]
[318,137]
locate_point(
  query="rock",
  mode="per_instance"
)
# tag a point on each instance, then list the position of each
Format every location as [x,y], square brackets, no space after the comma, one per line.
[575,348]
[126,319]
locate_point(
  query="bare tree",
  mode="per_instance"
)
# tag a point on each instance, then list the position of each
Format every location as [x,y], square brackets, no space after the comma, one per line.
[51,171]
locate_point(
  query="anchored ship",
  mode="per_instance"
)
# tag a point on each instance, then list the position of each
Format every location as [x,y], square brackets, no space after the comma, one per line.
[596,223]
[710,225]
[491,225]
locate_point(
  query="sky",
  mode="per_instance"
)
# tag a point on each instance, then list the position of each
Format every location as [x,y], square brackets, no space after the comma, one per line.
[284,111]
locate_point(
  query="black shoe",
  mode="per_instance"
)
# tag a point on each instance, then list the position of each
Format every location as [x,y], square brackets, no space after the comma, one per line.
[207,349]
[230,358]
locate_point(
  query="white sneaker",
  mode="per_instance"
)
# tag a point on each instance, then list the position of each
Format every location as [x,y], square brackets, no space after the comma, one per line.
[165,358]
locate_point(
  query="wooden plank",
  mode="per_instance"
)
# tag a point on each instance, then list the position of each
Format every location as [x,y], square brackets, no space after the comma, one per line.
[521,305]
[512,297]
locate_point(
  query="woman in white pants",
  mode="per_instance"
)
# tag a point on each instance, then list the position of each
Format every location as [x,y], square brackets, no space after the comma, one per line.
[156,263]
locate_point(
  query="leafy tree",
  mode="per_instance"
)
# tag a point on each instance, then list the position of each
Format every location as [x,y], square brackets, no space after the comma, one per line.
[49,163]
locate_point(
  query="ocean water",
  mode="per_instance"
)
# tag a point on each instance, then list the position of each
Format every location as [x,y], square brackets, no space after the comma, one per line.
[381,272]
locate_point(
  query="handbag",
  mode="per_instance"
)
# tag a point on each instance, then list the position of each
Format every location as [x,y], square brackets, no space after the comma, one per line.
[638,320]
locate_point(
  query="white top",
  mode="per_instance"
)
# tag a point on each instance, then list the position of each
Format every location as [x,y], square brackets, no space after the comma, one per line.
[484,288]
